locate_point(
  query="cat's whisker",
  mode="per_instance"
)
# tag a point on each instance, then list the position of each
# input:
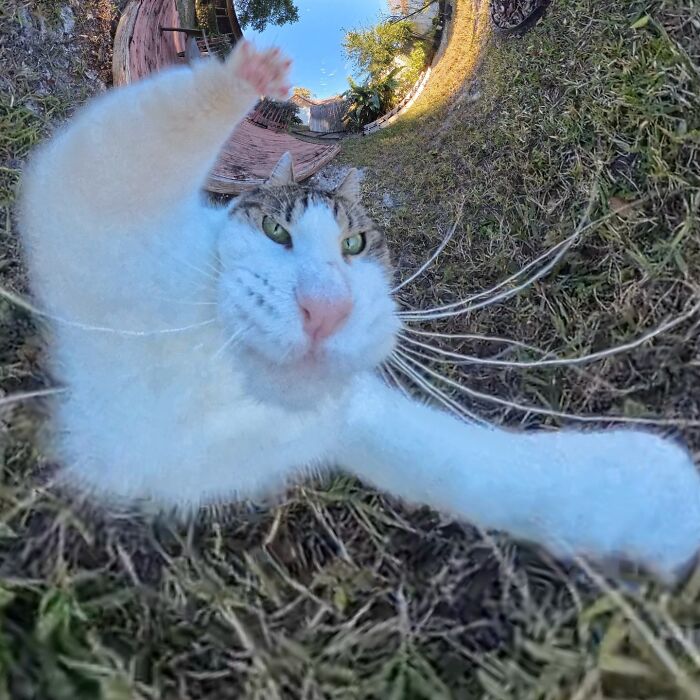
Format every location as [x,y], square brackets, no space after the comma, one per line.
[465,305]
[434,358]
[437,360]
[560,361]
[392,380]
[212,276]
[395,377]
[565,244]
[594,379]
[28,395]
[428,389]
[184,302]
[543,411]
[132,333]
[452,406]
[512,343]
[216,271]
[30,308]
[447,238]
[229,342]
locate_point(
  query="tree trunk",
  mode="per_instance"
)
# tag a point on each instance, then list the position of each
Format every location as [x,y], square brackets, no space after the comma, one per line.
[233,18]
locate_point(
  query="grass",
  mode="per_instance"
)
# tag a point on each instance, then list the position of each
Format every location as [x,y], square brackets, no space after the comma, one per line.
[583,104]
[338,592]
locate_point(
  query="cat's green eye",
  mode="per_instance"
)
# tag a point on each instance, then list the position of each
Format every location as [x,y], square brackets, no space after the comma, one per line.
[352,245]
[275,232]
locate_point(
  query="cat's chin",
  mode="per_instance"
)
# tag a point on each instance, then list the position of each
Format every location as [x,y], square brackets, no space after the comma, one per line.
[299,383]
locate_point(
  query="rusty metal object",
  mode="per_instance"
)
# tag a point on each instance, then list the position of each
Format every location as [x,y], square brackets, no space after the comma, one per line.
[517,16]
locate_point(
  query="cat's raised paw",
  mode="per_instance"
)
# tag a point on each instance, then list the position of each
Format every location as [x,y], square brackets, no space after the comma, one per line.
[267,72]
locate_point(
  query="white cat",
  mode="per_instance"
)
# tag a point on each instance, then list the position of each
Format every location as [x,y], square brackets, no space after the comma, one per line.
[217,354]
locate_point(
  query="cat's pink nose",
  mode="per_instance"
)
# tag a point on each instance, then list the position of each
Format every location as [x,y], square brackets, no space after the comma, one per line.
[322,317]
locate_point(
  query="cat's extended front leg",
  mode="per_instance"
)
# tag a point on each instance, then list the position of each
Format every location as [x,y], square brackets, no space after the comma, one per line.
[112,222]
[141,151]
[607,494]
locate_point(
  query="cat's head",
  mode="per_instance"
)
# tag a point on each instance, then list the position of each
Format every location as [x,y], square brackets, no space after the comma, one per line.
[305,284]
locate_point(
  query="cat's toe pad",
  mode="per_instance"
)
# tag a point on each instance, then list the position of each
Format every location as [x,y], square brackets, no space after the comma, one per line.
[267,72]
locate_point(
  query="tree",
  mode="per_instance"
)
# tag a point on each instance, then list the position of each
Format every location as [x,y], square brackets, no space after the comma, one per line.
[369,101]
[257,14]
[372,51]
[412,66]
[206,16]
[303,92]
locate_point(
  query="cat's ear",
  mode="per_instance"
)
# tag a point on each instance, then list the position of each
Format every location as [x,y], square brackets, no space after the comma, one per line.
[349,188]
[283,172]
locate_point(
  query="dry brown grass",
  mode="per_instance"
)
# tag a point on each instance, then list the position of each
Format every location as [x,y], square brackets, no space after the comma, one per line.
[338,592]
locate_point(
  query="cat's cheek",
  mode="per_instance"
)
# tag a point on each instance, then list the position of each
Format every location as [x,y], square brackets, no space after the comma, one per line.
[373,327]
[362,349]
[382,333]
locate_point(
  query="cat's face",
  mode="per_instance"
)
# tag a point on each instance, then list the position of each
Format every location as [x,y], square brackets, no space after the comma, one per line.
[305,285]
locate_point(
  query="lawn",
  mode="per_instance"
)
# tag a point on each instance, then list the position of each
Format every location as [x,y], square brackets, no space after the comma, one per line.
[337,591]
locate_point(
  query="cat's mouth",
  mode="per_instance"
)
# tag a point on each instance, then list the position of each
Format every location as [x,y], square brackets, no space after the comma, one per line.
[304,359]
[322,361]
[309,358]
[314,356]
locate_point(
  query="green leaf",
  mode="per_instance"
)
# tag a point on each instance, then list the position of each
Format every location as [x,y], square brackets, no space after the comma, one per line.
[340,598]
[641,22]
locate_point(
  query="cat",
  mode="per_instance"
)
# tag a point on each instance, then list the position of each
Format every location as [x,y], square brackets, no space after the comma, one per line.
[214,353]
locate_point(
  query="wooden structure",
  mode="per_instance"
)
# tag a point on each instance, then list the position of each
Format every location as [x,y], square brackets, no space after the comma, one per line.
[247,159]
[226,8]
[326,116]
[304,104]
[220,45]
[274,115]
[251,153]
[139,46]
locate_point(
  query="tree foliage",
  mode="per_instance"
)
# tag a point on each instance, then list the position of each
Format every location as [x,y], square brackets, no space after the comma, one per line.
[257,14]
[206,16]
[413,66]
[369,101]
[372,51]
[303,92]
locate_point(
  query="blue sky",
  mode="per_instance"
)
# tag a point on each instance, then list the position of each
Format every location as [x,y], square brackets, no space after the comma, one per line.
[314,42]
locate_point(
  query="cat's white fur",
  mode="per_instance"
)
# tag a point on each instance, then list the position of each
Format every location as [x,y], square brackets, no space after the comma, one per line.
[184,390]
